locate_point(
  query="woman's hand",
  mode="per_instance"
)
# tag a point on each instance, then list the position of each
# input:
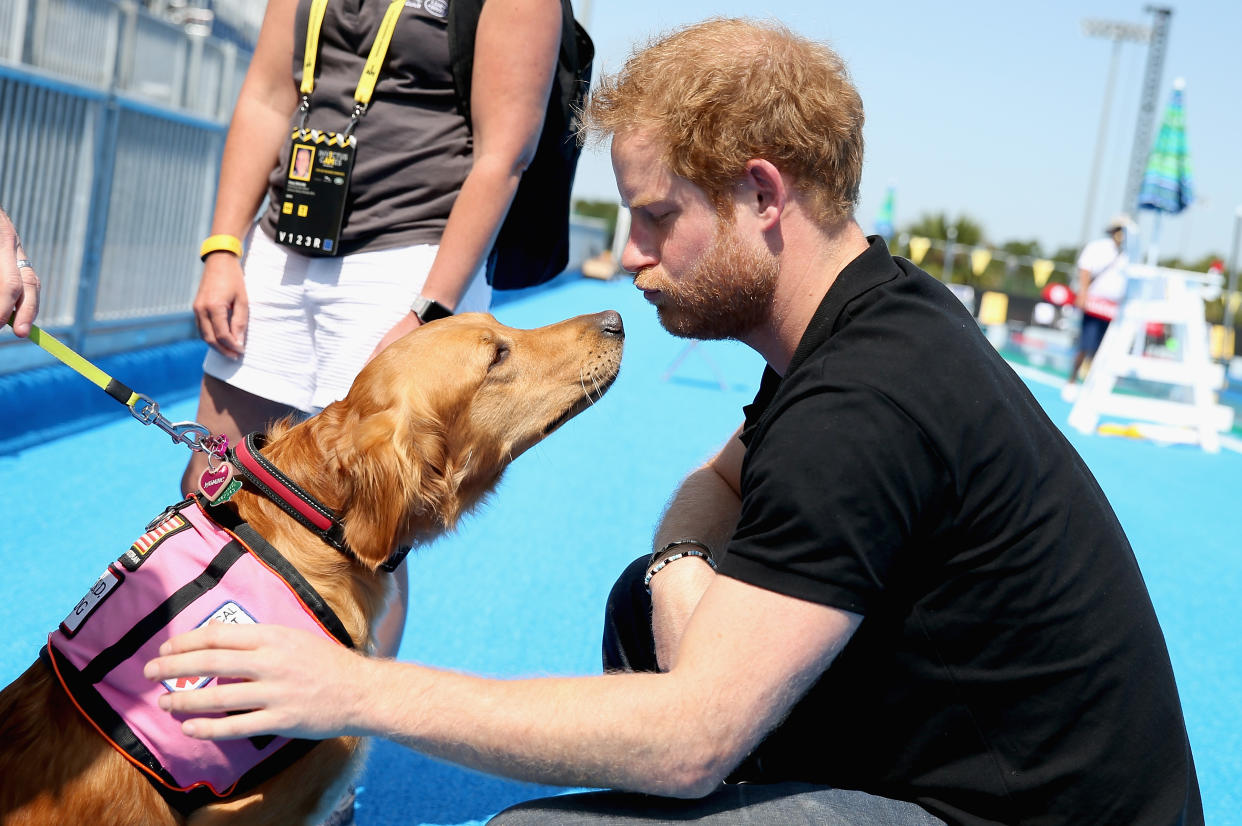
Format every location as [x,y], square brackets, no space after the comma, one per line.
[408,324]
[220,308]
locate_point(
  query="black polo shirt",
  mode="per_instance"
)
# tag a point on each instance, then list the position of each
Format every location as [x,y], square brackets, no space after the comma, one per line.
[1009,667]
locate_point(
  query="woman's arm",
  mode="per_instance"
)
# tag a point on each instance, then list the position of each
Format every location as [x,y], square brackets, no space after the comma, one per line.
[267,99]
[515,57]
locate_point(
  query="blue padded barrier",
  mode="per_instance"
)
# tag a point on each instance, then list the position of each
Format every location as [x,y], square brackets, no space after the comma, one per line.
[49,402]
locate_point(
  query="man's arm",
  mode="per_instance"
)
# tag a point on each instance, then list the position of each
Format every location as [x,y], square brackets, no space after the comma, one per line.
[746,656]
[704,508]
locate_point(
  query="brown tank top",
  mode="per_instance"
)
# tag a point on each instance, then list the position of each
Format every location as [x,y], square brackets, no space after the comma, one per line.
[414,149]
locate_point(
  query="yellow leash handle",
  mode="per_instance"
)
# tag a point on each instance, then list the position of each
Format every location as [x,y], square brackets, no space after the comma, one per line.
[142,408]
[90,372]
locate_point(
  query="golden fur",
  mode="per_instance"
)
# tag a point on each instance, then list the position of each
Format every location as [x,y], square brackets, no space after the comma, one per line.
[425,432]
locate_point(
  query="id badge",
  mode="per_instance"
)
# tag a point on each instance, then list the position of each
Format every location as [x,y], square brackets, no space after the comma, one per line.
[316,186]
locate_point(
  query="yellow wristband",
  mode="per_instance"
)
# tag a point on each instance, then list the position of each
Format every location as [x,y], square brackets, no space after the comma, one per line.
[221,243]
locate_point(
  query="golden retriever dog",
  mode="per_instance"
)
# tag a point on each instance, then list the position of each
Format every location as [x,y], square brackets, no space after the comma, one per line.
[424,434]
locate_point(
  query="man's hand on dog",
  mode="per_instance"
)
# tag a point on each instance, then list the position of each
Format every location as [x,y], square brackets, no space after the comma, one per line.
[289,682]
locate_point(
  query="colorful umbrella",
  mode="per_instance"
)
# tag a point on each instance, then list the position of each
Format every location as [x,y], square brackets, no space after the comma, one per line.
[1166,186]
[884,220]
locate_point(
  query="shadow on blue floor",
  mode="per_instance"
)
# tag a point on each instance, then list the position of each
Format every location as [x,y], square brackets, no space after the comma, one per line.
[434,792]
[518,590]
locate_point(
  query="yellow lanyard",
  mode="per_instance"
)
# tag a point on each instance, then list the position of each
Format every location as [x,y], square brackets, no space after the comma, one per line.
[375,60]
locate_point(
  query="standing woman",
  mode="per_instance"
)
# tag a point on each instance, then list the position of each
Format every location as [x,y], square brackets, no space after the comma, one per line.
[407,233]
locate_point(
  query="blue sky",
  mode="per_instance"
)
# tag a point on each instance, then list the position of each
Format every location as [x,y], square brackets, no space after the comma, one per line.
[993,109]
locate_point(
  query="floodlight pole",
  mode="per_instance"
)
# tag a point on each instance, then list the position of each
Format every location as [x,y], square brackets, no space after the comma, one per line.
[1233,269]
[1147,106]
[1119,33]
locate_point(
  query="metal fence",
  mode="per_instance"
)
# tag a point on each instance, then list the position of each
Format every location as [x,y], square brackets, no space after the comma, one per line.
[119,46]
[112,121]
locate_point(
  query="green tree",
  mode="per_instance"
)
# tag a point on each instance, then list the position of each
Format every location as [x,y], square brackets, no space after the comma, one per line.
[605,210]
[1066,255]
[936,225]
[1028,248]
[1201,264]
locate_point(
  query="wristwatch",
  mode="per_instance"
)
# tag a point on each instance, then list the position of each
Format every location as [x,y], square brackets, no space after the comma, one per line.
[428,310]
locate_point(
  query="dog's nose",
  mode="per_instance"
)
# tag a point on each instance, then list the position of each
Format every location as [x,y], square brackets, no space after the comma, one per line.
[610,323]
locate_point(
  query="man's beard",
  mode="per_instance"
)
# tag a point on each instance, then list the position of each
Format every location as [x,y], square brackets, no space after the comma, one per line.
[726,294]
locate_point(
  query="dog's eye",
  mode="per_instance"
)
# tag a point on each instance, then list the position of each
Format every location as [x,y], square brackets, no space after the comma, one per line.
[501,353]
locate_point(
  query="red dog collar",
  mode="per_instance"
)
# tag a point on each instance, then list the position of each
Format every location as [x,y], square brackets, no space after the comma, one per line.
[293,500]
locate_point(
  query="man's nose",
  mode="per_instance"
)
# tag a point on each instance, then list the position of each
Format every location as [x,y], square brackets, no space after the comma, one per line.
[635,258]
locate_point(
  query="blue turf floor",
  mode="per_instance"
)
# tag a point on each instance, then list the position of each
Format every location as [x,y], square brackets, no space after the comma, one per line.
[518,590]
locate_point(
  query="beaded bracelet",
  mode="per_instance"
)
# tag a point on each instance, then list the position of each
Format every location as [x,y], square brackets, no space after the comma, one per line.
[659,566]
[655,557]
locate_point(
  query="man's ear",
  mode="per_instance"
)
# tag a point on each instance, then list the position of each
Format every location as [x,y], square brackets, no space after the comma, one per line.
[764,192]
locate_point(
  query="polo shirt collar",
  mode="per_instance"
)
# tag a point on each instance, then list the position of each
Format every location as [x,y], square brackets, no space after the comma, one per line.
[874,266]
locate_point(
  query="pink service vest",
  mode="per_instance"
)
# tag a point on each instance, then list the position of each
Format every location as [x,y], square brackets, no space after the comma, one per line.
[184,572]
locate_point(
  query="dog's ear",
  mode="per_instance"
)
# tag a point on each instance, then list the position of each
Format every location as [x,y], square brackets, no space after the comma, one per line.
[395,479]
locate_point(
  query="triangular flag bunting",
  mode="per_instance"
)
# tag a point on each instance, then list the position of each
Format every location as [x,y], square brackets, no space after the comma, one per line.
[979,260]
[1042,268]
[918,248]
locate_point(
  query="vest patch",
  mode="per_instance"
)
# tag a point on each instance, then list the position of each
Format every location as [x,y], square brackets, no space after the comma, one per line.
[230,612]
[86,606]
[144,545]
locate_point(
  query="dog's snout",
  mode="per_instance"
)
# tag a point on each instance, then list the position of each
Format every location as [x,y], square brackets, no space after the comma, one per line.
[610,323]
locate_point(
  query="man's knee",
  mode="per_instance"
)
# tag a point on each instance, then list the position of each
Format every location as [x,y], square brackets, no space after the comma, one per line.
[518,816]
[628,644]
[546,811]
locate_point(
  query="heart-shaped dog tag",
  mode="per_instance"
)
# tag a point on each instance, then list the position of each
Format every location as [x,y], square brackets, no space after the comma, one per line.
[218,484]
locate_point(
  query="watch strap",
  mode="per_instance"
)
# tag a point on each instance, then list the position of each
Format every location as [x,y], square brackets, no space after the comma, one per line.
[429,310]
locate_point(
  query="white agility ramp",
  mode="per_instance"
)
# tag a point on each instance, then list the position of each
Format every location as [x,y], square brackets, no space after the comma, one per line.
[1165,296]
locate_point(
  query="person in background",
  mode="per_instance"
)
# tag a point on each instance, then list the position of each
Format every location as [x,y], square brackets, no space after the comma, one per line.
[1101,288]
[896,596]
[19,283]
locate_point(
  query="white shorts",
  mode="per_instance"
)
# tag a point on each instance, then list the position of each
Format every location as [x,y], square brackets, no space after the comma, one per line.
[314,321]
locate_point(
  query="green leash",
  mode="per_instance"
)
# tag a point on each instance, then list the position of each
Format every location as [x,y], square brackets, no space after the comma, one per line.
[191,434]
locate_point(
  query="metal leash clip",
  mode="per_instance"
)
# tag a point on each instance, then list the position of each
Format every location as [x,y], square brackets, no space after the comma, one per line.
[217,449]
[304,111]
[190,434]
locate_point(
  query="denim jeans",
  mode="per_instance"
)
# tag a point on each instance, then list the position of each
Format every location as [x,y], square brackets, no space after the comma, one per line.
[779,804]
